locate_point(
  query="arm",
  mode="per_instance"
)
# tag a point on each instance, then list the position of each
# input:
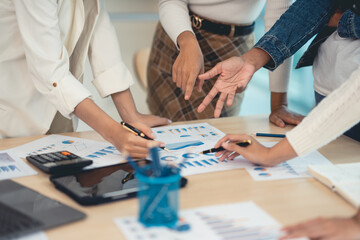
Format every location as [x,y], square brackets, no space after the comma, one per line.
[112,77]
[333,116]
[46,56]
[289,33]
[48,64]
[279,78]
[174,17]
[295,27]
[349,25]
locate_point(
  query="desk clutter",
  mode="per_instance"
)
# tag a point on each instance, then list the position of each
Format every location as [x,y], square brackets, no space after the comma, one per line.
[156,181]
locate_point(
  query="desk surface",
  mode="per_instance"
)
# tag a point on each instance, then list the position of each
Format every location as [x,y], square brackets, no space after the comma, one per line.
[288,201]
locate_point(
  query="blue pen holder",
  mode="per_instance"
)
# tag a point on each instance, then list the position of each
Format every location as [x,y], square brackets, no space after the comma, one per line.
[158,200]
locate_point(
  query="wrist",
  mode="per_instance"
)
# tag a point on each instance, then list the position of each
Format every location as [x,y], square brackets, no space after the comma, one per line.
[256,57]
[186,39]
[278,100]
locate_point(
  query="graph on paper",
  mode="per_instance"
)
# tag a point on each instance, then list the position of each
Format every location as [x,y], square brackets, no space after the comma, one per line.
[238,221]
[186,142]
[12,166]
[102,153]
[293,168]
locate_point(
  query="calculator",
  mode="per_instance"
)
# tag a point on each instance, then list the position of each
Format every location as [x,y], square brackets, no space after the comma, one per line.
[58,162]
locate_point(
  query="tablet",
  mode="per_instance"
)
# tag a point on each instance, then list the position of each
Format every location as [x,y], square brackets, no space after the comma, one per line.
[100,185]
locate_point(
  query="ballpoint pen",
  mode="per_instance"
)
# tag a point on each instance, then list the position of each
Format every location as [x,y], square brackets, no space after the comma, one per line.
[244,143]
[139,133]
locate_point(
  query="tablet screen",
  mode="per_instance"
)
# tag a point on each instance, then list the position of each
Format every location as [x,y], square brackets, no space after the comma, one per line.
[97,185]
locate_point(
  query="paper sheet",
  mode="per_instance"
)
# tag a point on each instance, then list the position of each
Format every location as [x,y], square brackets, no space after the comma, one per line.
[294,168]
[186,142]
[12,166]
[102,153]
[231,221]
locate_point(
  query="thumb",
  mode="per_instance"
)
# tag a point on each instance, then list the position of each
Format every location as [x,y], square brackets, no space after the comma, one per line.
[212,72]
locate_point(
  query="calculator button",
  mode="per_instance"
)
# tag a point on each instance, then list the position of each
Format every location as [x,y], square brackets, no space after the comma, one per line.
[65,153]
[39,159]
[47,158]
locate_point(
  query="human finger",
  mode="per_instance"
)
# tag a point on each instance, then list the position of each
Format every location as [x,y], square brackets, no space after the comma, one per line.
[276,120]
[219,105]
[212,72]
[207,100]
[190,86]
[230,99]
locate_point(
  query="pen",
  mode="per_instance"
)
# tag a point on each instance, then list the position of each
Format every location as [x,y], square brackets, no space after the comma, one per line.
[269,135]
[137,132]
[134,130]
[241,144]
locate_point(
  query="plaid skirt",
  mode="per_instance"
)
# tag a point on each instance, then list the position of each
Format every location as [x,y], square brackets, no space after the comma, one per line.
[165,99]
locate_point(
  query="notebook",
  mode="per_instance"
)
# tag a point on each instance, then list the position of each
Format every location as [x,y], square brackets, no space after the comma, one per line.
[341,178]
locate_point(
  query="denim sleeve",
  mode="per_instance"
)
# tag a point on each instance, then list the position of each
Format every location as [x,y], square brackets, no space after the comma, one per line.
[295,27]
[349,25]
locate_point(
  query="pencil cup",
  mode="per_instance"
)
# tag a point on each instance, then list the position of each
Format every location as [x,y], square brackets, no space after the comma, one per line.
[158,200]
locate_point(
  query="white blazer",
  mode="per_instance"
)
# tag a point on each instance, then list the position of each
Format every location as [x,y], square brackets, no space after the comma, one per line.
[43,48]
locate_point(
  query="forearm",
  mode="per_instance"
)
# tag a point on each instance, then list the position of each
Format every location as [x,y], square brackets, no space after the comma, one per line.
[125,105]
[278,100]
[174,17]
[295,27]
[332,117]
[96,118]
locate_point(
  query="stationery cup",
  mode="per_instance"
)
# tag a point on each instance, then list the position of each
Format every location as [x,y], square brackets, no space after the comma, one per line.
[158,200]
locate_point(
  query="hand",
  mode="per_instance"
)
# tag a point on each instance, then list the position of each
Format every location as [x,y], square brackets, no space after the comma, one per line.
[282,116]
[124,140]
[255,152]
[334,20]
[325,229]
[235,74]
[188,65]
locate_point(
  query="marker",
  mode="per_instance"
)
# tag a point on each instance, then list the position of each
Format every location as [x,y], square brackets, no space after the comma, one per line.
[139,133]
[241,144]
[270,135]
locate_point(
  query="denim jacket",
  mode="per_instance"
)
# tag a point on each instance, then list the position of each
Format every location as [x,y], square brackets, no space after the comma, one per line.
[301,22]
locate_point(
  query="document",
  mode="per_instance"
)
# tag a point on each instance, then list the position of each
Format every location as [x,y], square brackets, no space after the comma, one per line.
[341,178]
[12,166]
[102,153]
[238,221]
[185,142]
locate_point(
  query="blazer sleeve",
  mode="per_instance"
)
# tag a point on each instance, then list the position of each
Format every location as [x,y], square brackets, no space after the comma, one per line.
[109,71]
[296,26]
[46,56]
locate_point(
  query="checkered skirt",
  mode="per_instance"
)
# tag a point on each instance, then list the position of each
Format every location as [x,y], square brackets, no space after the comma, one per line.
[165,99]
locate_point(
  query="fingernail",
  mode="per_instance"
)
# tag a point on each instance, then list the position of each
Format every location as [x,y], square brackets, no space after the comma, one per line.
[162,144]
[169,121]
[152,135]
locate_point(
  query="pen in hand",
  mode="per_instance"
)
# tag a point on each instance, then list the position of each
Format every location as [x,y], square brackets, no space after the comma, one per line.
[139,133]
[244,143]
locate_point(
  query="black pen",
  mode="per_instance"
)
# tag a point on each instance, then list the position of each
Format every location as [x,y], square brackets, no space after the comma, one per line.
[241,144]
[139,133]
